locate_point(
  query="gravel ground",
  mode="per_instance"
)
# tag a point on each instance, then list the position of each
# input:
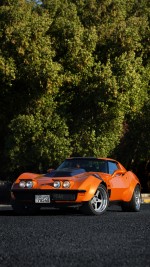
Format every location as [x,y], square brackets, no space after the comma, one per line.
[55,238]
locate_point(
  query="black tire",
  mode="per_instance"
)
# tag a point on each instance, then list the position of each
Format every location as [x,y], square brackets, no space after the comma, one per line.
[98,204]
[23,209]
[135,203]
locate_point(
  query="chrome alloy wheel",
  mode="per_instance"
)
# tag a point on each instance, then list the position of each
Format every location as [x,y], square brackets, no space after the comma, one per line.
[137,196]
[135,202]
[100,200]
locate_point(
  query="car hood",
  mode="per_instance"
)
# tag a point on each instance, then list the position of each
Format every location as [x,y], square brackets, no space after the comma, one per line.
[79,178]
[65,172]
[76,175]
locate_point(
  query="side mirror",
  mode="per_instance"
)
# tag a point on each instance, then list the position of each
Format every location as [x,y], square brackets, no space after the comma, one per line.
[118,172]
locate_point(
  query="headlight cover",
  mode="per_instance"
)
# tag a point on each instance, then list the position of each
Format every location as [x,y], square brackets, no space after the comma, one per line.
[66,184]
[56,184]
[22,184]
[29,184]
[25,184]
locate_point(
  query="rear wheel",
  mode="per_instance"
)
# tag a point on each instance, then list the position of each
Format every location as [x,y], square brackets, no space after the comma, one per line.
[135,203]
[98,204]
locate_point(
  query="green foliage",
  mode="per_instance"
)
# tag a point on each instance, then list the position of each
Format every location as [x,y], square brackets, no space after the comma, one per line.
[26,54]
[27,69]
[39,139]
[74,81]
[134,145]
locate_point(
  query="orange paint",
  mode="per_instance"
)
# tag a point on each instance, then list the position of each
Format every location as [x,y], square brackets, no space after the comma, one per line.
[120,184]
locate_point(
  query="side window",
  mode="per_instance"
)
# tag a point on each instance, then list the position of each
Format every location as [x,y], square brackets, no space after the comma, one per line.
[112,166]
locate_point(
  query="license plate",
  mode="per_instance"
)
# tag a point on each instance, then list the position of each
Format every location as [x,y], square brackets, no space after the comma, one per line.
[42,198]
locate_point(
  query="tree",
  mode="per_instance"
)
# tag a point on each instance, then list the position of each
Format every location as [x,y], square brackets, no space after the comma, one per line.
[88,63]
[99,45]
[28,73]
[38,139]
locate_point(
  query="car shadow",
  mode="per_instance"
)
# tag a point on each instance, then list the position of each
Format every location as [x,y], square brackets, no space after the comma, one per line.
[7,211]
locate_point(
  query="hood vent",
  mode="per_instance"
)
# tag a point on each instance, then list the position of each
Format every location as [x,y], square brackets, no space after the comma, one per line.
[65,173]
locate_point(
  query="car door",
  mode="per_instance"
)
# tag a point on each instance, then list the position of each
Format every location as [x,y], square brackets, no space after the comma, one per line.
[118,183]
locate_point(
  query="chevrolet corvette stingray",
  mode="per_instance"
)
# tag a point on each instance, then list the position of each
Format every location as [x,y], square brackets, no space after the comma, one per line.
[88,183]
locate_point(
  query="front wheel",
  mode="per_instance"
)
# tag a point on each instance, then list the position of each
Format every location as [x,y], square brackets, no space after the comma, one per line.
[98,204]
[135,203]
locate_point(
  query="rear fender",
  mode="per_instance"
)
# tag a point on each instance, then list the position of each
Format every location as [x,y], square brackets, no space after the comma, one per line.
[128,193]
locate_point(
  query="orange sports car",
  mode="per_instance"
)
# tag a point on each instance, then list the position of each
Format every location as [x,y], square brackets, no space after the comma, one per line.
[86,182]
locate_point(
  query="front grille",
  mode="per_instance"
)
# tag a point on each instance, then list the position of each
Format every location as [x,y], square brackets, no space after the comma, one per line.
[55,195]
[64,197]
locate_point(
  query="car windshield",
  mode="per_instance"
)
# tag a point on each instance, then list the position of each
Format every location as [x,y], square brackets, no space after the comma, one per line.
[88,164]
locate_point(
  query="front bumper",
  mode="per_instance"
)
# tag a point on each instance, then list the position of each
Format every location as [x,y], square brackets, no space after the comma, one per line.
[56,196]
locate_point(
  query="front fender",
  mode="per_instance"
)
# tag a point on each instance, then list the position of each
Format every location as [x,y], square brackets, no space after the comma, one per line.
[90,185]
[25,175]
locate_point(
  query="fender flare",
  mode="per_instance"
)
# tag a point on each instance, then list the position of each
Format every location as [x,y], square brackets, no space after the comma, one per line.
[93,187]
